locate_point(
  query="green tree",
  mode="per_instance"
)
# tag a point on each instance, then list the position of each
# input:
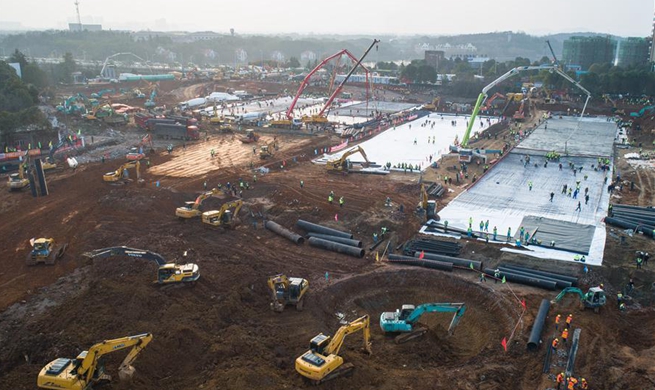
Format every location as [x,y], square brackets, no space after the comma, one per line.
[293,63]
[64,70]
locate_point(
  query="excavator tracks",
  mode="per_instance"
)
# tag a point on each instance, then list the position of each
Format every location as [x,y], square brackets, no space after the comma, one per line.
[344,370]
[414,334]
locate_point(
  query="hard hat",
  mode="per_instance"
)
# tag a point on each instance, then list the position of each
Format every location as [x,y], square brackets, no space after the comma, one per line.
[583,380]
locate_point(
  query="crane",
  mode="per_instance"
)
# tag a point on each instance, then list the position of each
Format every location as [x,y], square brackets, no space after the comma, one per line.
[225,216]
[344,165]
[192,209]
[405,319]
[290,122]
[104,65]
[287,291]
[466,153]
[555,62]
[168,273]
[88,368]
[322,362]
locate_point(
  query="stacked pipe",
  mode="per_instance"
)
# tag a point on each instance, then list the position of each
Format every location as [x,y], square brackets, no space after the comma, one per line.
[437,226]
[331,239]
[447,248]
[562,280]
[639,219]
[289,235]
[436,190]
[434,264]
[448,259]
[524,279]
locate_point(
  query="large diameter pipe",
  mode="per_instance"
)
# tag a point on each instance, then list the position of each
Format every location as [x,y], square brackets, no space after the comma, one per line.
[538,327]
[568,278]
[629,225]
[528,280]
[406,260]
[560,283]
[314,228]
[288,234]
[448,259]
[336,247]
[340,240]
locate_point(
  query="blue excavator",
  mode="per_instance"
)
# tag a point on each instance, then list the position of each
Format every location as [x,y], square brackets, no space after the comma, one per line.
[405,320]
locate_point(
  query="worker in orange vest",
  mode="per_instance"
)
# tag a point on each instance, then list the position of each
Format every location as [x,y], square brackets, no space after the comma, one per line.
[560,380]
[569,319]
[555,343]
[558,319]
[572,383]
[565,334]
[583,384]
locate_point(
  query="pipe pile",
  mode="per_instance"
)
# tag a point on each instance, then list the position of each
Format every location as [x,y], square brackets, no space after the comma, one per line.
[567,278]
[639,219]
[315,228]
[535,336]
[436,190]
[336,247]
[289,235]
[560,283]
[340,240]
[406,260]
[448,259]
[447,248]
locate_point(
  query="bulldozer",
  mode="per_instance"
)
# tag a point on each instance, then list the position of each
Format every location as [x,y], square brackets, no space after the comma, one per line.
[322,362]
[45,251]
[88,368]
[287,291]
[225,216]
[267,150]
[250,137]
[594,298]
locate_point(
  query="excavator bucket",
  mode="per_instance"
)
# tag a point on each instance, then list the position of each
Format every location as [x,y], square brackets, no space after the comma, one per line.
[125,374]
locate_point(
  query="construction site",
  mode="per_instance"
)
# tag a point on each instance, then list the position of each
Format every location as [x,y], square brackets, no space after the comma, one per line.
[347,237]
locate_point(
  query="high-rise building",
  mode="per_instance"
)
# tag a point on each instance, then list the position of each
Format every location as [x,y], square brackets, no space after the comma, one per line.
[585,51]
[434,57]
[633,51]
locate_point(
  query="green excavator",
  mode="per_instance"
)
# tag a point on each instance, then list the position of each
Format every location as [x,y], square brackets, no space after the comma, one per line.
[594,298]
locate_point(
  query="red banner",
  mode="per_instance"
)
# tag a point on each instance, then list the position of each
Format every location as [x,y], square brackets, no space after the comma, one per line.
[339,147]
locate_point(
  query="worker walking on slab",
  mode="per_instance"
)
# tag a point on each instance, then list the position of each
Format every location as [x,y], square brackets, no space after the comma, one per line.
[530,185]
[481,226]
[509,234]
[495,232]
[552,195]
[579,208]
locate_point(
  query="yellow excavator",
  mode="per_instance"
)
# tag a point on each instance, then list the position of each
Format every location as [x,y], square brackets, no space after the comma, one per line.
[88,369]
[434,106]
[19,181]
[120,173]
[287,291]
[44,250]
[322,362]
[225,216]
[427,205]
[192,209]
[168,273]
[344,165]
[267,150]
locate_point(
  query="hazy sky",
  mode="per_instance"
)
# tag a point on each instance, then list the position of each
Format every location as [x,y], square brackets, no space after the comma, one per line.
[433,17]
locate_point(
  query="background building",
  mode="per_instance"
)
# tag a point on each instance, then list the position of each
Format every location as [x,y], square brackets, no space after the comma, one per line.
[84,27]
[585,51]
[633,51]
[434,57]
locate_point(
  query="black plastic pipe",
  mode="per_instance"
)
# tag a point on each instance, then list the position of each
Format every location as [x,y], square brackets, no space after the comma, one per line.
[288,234]
[406,260]
[628,225]
[538,327]
[560,283]
[530,281]
[630,219]
[340,240]
[314,228]
[631,207]
[568,278]
[448,259]
[336,247]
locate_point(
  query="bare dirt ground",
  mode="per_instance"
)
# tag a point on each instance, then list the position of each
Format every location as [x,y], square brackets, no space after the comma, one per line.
[222,334]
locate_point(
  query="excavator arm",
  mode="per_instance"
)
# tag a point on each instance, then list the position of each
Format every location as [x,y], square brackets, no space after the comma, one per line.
[362,323]
[88,365]
[457,308]
[126,251]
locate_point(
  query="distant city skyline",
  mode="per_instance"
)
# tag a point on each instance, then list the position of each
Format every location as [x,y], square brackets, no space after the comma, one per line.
[628,18]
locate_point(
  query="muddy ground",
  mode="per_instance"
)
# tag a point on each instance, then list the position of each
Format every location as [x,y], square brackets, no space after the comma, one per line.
[220,333]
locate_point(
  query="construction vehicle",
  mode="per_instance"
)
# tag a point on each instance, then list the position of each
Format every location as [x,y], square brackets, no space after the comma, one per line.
[18,181]
[167,274]
[489,104]
[136,153]
[225,216]
[594,298]
[250,137]
[519,115]
[344,165]
[267,150]
[404,321]
[322,362]
[45,251]
[427,205]
[88,368]
[434,105]
[192,209]
[287,291]
[292,123]
[121,172]
[216,119]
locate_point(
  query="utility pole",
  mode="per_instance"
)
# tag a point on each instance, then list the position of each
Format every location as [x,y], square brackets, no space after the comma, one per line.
[77,9]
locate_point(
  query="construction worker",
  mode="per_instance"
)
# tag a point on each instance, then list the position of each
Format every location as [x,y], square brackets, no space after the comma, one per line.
[569,320]
[330,198]
[622,306]
[383,231]
[639,262]
[469,232]
[552,195]
[565,335]
[481,225]
[254,178]
[302,184]
[530,185]
[560,380]
[495,232]
[375,237]
[572,383]
[557,321]
[205,184]
[496,275]
[212,153]
[486,225]
[555,344]
[445,226]
[470,221]
[619,299]
[483,278]
[509,234]
[583,384]
[341,201]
